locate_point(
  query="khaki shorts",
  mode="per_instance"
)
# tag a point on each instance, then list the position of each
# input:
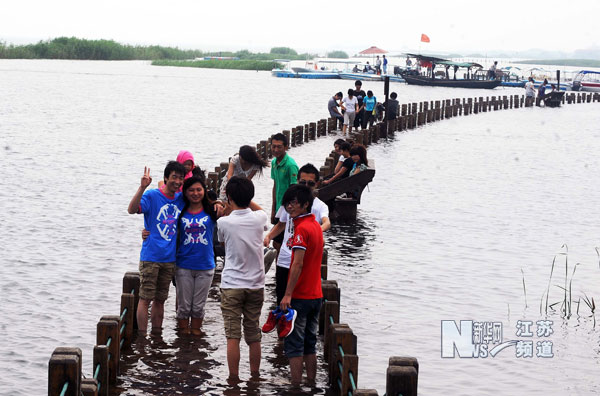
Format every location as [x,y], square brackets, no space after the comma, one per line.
[155,280]
[238,302]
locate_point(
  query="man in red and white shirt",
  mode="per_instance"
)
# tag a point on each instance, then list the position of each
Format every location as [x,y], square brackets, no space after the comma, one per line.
[303,292]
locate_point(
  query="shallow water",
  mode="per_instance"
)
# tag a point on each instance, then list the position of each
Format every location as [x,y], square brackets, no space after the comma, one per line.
[456,211]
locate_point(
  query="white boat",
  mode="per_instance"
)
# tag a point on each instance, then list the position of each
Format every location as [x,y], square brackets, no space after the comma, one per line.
[587,80]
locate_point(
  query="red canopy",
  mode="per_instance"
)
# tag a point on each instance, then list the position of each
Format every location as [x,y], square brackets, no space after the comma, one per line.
[373,51]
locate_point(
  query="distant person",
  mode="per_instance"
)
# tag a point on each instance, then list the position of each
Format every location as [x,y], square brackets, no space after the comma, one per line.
[344,170]
[284,173]
[392,106]
[303,292]
[355,69]
[359,94]
[378,65]
[554,89]
[309,176]
[492,71]
[542,91]
[385,63]
[161,208]
[408,62]
[369,103]
[243,276]
[333,105]
[529,91]
[246,163]
[350,107]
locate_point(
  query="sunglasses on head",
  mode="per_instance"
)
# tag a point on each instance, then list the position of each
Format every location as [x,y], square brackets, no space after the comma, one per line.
[310,183]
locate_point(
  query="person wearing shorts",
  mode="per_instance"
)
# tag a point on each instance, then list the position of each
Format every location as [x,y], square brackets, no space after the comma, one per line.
[303,292]
[161,208]
[350,105]
[243,276]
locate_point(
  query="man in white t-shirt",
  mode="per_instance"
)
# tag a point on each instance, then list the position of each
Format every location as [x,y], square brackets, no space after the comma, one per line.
[529,91]
[243,277]
[309,176]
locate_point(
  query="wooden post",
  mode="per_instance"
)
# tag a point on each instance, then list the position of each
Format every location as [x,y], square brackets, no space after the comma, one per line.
[287,135]
[404,110]
[108,328]
[402,376]
[341,335]
[331,292]
[101,358]
[331,309]
[128,302]
[349,365]
[89,387]
[365,392]
[131,282]
[64,368]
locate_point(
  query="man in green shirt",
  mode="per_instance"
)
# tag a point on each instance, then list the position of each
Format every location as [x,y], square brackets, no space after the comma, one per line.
[284,173]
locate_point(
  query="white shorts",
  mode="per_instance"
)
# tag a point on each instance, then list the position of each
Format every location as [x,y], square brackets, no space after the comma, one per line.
[349,118]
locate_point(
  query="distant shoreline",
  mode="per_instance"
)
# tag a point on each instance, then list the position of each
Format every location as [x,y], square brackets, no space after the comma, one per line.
[221,64]
[562,62]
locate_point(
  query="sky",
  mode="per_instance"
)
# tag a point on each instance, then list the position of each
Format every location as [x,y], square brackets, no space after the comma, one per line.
[312,26]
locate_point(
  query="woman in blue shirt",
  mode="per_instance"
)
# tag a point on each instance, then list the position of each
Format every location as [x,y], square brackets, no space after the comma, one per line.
[369,103]
[195,255]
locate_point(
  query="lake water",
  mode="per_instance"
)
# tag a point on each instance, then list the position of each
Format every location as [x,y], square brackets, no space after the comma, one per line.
[459,215]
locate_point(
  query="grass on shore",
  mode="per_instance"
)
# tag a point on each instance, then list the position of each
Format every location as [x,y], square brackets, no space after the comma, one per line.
[221,64]
[563,62]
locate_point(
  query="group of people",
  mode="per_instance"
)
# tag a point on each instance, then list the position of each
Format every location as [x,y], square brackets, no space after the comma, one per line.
[359,108]
[541,91]
[367,68]
[182,218]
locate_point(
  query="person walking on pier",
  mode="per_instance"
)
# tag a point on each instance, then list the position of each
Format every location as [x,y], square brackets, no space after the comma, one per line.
[243,276]
[284,173]
[303,292]
[350,107]
[529,92]
[369,103]
[161,208]
[309,176]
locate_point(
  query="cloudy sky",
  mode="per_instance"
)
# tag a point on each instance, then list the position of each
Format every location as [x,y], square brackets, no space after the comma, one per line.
[315,26]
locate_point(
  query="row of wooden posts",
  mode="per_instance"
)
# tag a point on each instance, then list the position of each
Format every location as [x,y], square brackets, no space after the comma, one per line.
[340,351]
[417,114]
[411,116]
[114,334]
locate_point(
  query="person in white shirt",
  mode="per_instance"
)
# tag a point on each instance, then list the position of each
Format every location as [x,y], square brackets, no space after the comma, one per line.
[243,277]
[309,176]
[529,91]
[350,106]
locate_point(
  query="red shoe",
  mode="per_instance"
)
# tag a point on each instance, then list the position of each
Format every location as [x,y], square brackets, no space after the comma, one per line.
[286,322]
[272,320]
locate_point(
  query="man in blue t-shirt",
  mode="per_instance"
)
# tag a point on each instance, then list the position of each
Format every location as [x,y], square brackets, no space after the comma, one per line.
[161,208]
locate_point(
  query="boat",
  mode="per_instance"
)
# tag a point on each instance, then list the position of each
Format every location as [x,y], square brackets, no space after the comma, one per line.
[472,79]
[587,80]
[311,70]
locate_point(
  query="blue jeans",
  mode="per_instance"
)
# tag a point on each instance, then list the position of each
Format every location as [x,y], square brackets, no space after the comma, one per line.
[303,339]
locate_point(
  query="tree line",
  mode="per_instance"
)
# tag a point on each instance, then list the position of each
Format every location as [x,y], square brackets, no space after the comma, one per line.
[76,48]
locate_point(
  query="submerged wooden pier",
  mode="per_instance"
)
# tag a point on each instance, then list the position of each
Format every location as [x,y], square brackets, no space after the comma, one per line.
[115,334]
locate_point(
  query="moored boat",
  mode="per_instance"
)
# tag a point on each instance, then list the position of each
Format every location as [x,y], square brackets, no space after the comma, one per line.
[442,78]
[587,80]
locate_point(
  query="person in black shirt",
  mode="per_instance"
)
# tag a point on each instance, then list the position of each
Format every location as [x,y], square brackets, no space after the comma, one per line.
[360,94]
[347,165]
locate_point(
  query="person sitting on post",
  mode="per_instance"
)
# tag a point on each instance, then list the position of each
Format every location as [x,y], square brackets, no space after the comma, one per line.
[346,167]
